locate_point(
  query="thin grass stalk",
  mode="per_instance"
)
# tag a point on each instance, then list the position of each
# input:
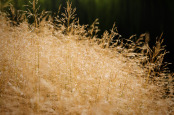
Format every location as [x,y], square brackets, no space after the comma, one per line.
[70,68]
[99,82]
[1,5]
[15,69]
[37,56]
[71,76]
[35,74]
[109,84]
[68,21]
[69,15]
[66,78]
[38,66]
[35,13]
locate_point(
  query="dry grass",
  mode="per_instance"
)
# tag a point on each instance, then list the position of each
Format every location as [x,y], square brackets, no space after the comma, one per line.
[49,71]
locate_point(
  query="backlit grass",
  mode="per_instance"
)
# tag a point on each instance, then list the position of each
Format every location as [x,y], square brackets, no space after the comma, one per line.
[64,68]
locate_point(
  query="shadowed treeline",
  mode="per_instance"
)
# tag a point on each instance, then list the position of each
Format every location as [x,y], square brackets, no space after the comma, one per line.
[131,17]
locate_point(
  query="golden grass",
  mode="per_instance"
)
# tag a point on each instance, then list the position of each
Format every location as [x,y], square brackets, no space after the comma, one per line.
[47,71]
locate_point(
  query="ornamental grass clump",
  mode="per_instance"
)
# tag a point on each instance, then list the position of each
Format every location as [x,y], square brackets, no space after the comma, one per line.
[56,67]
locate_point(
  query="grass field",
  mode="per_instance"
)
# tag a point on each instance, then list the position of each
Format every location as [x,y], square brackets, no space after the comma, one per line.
[64,68]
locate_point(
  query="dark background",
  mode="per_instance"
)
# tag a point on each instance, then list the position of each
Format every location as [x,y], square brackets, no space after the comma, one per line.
[131,17]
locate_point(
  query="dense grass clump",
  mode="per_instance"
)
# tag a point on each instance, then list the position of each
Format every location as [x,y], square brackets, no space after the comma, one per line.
[57,66]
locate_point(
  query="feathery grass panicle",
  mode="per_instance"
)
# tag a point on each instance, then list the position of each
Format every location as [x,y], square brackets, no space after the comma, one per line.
[67,19]
[93,30]
[61,73]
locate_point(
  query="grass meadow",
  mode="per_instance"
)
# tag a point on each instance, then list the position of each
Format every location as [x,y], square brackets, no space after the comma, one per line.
[54,66]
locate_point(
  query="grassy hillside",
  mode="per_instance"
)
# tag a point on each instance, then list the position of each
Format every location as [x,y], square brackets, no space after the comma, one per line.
[61,67]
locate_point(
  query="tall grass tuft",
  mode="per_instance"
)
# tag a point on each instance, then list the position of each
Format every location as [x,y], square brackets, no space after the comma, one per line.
[57,66]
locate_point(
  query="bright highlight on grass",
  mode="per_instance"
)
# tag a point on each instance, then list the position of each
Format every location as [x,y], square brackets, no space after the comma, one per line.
[62,67]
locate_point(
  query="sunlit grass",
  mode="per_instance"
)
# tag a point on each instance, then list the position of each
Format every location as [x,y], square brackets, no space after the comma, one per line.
[64,68]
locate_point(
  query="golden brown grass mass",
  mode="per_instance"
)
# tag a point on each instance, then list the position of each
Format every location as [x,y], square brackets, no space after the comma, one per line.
[63,68]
